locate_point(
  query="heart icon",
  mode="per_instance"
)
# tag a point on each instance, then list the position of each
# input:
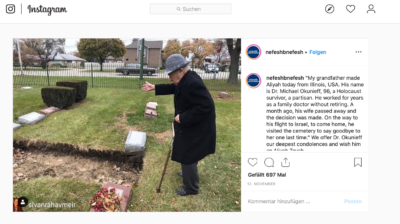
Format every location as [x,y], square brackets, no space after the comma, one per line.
[252,161]
[350,8]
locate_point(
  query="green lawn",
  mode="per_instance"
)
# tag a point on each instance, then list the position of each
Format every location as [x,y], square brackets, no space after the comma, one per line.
[117,82]
[46,190]
[161,71]
[103,120]
[39,69]
[98,70]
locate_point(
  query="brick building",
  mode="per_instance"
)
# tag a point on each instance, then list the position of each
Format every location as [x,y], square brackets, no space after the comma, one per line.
[152,53]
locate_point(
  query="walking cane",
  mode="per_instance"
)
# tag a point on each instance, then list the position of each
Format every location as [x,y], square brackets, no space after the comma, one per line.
[166,161]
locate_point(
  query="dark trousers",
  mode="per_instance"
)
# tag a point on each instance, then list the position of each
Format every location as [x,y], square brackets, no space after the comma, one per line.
[190,178]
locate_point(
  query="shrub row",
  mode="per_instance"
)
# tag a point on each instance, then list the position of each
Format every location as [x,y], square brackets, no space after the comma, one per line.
[65,94]
[80,86]
[58,96]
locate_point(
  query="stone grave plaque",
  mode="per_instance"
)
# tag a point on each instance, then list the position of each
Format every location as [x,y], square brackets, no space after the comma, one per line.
[149,113]
[224,95]
[123,191]
[31,118]
[50,110]
[154,103]
[16,126]
[135,142]
[26,87]
[151,106]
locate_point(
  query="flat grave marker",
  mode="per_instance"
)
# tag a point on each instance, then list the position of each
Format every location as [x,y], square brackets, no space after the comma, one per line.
[49,110]
[135,142]
[123,191]
[149,113]
[16,126]
[31,118]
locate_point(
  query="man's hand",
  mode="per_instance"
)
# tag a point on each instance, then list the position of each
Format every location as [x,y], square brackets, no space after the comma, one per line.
[177,119]
[148,87]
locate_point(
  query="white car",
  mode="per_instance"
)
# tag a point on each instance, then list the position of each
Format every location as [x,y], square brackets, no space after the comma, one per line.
[211,69]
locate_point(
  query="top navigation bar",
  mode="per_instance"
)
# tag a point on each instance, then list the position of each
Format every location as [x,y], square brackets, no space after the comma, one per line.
[192,11]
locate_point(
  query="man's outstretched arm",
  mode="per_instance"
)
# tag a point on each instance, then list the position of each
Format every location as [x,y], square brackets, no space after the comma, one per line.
[161,89]
[165,89]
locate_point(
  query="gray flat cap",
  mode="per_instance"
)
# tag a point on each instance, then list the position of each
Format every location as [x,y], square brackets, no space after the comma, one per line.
[174,62]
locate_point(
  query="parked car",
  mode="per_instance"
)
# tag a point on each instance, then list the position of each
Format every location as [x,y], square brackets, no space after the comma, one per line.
[135,69]
[222,68]
[211,68]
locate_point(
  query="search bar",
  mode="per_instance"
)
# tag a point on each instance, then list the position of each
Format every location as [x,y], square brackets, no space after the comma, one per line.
[190,9]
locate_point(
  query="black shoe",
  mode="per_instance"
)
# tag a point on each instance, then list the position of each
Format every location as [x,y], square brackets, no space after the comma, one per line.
[182,192]
[180,174]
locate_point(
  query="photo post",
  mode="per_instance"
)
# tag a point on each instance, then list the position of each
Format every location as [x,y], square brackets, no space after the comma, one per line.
[229,111]
[98,120]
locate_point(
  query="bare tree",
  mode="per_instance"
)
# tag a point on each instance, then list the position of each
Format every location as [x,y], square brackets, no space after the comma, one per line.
[46,48]
[221,50]
[234,48]
[28,55]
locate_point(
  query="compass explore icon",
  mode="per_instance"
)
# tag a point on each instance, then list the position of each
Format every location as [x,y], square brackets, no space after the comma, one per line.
[329,8]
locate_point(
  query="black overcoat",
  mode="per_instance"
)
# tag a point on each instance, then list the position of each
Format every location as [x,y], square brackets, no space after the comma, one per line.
[195,135]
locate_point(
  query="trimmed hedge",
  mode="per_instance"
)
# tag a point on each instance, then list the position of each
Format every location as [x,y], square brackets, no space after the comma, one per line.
[58,96]
[80,86]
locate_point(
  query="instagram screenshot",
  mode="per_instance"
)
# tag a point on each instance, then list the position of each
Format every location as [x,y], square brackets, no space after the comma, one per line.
[177,112]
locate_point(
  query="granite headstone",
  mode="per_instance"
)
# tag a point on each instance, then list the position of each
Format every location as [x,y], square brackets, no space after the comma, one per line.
[123,191]
[31,118]
[16,126]
[149,113]
[135,142]
[50,110]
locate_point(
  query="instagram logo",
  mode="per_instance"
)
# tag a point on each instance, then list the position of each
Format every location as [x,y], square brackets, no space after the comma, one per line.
[10,9]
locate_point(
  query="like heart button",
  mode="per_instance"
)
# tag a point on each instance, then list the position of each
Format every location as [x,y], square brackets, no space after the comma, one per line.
[252,161]
[351,8]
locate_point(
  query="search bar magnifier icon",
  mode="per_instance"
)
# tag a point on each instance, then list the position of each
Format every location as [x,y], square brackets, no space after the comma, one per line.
[191,8]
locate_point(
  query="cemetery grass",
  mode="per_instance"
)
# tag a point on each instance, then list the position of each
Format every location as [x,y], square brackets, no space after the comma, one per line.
[103,120]
[98,70]
[25,70]
[48,189]
[128,82]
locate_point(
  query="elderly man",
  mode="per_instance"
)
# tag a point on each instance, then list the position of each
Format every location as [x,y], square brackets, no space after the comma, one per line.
[195,128]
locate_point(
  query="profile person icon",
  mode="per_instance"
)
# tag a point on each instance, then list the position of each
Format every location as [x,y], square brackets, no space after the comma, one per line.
[371,8]
[22,201]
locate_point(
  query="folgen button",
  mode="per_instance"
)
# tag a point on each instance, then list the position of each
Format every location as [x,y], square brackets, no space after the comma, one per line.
[352,201]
